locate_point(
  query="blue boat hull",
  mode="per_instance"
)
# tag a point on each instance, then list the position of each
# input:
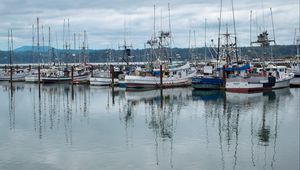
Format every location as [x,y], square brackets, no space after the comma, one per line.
[207,82]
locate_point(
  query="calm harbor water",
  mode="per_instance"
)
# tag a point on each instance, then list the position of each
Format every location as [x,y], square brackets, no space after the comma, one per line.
[82,127]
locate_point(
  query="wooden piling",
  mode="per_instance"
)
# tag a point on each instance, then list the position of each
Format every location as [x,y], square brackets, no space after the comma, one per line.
[11,73]
[92,71]
[112,72]
[161,76]
[39,74]
[72,74]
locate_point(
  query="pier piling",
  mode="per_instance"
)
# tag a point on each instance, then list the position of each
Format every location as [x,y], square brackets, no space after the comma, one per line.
[92,69]
[112,72]
[161,76]
[72,74]
[39,74]
[11,72]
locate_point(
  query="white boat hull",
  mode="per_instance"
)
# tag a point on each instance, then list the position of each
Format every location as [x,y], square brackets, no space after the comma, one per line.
[31,79]
[283,83]
[56,79]
[81,79]
[154,82]
[102,81]
[241,85]
[14,78]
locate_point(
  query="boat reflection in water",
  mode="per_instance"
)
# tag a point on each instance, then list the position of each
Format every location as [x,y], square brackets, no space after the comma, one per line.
[176,128]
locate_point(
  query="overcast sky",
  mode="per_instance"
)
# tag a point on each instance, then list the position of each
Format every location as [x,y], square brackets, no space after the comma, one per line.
[104,20]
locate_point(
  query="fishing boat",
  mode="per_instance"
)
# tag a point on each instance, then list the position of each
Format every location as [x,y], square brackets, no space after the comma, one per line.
[240,80]
[282,75]
[295,65]
[57,75]
[17,75]
[81,74]
[208,80]
[173,77]
[103,77]
[33,77]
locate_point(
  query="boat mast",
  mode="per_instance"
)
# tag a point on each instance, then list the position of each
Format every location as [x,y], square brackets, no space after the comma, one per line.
[169,10]
[8,48]
[12,45]
[74,56]
[84,46]
[38,39]
[154,23]
[64,34]
[273,29]
[43,43]
[49,45]
[250,31]
[68,40]
[235,37]
[32,48]
[205,52]
[219,34]
[298,39]
[250,28]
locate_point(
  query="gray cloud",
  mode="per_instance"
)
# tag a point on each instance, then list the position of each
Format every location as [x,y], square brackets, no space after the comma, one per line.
[104,20]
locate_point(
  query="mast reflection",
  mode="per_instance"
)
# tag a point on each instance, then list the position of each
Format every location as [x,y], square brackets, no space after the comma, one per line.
[259,106]
[60,102]
[162,108]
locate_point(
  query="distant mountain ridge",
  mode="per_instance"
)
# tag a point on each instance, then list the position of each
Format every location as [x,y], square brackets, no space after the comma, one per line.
[25,55]
[27,48]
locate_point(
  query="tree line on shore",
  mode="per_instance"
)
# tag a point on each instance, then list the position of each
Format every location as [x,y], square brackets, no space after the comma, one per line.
[137,55]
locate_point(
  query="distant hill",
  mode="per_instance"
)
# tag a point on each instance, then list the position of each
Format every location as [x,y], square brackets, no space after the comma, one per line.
[25,55]
[29,48]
